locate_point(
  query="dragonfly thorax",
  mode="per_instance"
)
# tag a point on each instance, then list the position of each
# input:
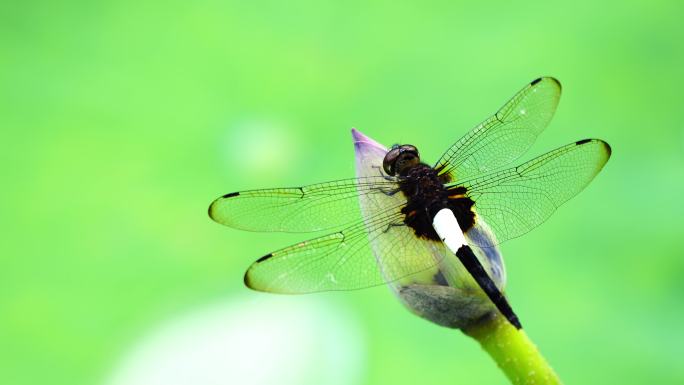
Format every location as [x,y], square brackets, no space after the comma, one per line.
[426,194]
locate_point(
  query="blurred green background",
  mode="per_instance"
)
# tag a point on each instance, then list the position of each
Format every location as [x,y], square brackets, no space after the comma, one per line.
[122,120]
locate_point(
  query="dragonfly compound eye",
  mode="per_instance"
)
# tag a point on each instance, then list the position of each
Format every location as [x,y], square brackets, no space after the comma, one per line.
[400,158]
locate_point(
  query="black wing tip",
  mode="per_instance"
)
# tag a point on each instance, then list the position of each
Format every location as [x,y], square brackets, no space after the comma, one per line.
[210,211]
[548,78]
[246,279]
[265,257]
[607,147]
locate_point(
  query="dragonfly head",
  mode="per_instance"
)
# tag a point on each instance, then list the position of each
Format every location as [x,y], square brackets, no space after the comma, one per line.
[399,159]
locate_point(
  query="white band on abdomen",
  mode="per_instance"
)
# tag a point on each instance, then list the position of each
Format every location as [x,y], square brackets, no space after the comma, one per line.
[446,226]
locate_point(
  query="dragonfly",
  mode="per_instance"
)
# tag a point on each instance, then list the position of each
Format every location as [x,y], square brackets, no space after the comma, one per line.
[398,215]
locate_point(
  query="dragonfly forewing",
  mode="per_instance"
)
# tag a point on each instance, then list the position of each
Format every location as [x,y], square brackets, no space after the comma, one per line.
[506,135]
[317,207]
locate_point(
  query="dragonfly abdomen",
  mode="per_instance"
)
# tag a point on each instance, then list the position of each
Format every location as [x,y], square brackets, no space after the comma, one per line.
[446,226]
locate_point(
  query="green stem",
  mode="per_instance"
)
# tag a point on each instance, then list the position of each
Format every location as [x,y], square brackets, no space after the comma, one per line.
[513,351]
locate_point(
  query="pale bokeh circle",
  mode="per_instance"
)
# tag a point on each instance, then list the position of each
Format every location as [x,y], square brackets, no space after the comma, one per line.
[267,340]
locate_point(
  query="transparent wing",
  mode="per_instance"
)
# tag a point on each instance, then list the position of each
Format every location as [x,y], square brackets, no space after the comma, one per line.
[506,135]
[372,249]
[321,206]
[344,260]
[514,201]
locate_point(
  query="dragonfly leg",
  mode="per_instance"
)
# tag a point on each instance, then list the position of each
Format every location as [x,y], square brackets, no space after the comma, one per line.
[390,192]
[382,174]
[393,224]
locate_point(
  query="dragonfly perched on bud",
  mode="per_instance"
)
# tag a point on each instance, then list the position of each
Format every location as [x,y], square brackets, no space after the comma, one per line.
[429,231]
